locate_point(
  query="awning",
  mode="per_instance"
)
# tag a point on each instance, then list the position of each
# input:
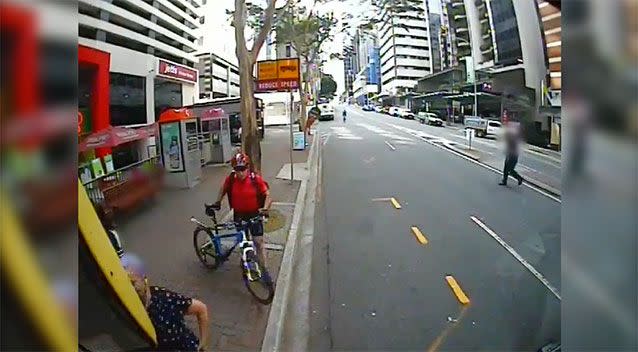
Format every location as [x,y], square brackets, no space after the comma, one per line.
[112,137]
[172,115]
[150,130]
[212,113]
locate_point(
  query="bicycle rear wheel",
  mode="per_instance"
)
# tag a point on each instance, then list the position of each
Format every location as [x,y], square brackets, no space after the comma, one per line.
[204,248]
[262,290]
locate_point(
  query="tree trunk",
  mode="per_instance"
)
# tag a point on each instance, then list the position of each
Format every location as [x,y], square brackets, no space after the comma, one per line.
[249,132]
[249,136]
[303,88]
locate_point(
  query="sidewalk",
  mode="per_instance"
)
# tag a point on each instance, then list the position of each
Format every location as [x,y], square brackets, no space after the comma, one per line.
[162,235]
[495,161]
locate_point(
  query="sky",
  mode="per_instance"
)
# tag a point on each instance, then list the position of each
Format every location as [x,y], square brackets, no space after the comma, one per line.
[219,35]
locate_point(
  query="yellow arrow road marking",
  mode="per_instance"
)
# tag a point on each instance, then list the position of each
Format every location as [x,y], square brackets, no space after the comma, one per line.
[419,235]
[460,295]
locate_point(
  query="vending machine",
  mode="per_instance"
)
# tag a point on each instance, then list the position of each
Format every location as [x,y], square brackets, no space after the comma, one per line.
[179,146]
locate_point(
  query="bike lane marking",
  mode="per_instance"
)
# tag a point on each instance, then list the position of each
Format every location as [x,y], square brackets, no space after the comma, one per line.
[518,257]
[456,288]
[420,237]
[395,203]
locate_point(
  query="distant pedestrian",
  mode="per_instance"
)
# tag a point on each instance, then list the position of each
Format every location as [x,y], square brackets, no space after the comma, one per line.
[512,149]
[344,115]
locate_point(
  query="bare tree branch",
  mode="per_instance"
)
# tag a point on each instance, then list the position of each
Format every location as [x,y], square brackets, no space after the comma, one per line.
[265,29]
[239,20]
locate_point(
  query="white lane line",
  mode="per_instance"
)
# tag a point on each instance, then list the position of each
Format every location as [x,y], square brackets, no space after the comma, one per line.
[390,145]
[518,257]
[529,168]
[325,141]
[543,156]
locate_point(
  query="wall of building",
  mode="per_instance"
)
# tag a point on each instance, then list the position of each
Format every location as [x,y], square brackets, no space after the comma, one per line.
[138,64]
[531,41]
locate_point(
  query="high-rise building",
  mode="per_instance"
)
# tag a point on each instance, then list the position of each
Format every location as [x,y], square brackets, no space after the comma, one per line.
[550,15]
[148,51]
[218,77]
[348,69]
[366,65]
[405,46]
[436,41]
[448,50]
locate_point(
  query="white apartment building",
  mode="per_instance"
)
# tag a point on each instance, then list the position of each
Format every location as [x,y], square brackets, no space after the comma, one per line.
[136,59]
[218,77]
[151,48]
[405,48]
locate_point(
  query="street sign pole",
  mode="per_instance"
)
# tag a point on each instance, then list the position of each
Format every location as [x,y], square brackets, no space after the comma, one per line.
[291,138]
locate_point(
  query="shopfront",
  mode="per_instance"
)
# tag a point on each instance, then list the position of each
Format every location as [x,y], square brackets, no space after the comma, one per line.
[174,84]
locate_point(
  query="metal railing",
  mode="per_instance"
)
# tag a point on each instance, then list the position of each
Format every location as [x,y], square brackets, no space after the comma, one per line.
[95,187]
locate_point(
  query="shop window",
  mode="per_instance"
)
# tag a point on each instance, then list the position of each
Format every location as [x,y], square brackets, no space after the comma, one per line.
[167,95]
[125,155]
[127,99]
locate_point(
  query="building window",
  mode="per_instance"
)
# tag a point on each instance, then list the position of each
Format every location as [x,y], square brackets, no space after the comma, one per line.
[168,94]
[127,99]
[288,50]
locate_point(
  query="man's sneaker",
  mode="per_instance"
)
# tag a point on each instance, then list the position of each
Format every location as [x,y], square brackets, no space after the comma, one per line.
[520,181]
[502,183]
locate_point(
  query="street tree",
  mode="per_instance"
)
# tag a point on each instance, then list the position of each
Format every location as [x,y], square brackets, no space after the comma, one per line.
[306,31]
[328,86]
[251,15]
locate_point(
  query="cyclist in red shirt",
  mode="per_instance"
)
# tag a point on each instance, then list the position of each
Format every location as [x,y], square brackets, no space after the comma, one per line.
[248,196]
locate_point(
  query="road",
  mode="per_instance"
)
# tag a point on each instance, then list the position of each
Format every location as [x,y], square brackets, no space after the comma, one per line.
[542,163]
[379,285]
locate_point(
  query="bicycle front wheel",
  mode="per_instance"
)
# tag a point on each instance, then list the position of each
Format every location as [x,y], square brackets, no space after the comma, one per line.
[204,248]
[261,288]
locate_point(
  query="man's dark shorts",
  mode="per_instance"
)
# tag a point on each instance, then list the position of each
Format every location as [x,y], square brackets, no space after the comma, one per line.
[256,229]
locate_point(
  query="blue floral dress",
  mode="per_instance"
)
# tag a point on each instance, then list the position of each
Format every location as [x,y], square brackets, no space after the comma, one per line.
[166,311]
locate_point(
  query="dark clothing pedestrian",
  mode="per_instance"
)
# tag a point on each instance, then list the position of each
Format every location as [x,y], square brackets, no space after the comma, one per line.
[512,149]
[166,310]
[508,169]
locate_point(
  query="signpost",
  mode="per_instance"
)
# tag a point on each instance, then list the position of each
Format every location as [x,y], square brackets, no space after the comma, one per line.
[469,135]
[280,76]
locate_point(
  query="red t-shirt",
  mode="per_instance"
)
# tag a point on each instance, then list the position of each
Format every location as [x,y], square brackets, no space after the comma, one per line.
[244,194]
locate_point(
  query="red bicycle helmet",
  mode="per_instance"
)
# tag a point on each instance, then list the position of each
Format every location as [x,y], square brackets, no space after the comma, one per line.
[240,159]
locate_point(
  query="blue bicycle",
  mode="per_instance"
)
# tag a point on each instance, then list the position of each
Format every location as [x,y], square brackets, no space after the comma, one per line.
[213,249]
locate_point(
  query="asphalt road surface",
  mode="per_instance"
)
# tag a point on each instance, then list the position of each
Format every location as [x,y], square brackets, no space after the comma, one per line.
[547,162]
[379,284]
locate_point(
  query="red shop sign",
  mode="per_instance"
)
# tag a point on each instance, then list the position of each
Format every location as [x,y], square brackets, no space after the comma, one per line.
[172,70]
[276,85]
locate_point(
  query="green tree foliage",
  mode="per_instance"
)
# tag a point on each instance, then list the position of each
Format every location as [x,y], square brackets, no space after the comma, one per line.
[328,86]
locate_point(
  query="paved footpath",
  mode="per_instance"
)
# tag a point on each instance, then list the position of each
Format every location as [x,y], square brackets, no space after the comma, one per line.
[162,235]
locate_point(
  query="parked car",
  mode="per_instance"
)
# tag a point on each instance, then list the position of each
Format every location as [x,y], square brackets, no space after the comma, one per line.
[406,114]
[385,110]
[483,127]
[430,118]
[378,108]
[368,108]
[327,112]
[394,111]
